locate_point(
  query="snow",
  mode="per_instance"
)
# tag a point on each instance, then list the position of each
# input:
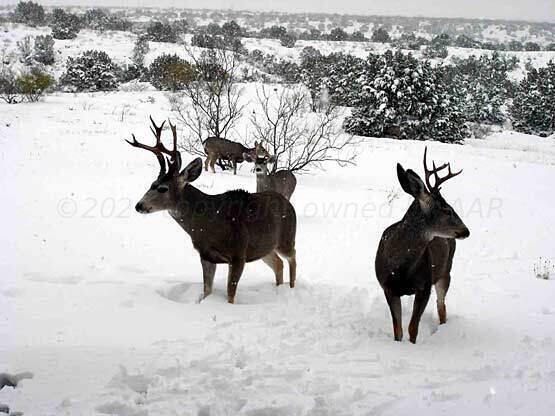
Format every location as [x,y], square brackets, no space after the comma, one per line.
[100,303]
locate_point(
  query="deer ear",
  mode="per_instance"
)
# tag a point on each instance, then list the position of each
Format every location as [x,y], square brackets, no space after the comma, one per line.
[248,157]
[411,182]
[191,172]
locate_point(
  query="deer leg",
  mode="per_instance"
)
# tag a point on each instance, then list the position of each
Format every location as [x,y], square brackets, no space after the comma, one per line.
[235,270]
[206,162]
[441,287]
[394,303]
[420,301]
[234,163]
[291,256]
[276,264]
[208,272]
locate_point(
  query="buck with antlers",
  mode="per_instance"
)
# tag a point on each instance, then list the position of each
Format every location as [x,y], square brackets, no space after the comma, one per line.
[283,181]
[223,149]
[417,252]
[235,227]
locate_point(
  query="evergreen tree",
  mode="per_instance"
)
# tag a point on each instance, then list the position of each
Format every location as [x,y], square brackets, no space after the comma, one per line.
[29,13]
[533,108]
[64,25]
[410,97]
[91,71]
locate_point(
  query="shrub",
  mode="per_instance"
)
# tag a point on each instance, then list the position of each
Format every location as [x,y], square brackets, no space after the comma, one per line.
[483,85]
[464,41]
[532,47]
[410,41]
[358,36]
[33,84]
[132,72]
[435,51]
[8,86]
[140,50]
[91,71]
[170,72]
[288,40]
[338,34]
[533,108]
[408,98]
[44,50]
[29,13]
[380,35]
[95,19]
[161,32]
[65,25]
[25,47]
[203,39]
[231,30]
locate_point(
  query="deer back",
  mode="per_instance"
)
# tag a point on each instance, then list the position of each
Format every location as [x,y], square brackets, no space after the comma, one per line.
[225,149]
[235,223]
[283,182]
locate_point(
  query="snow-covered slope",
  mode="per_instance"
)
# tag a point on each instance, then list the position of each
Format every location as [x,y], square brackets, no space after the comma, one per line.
[100,303]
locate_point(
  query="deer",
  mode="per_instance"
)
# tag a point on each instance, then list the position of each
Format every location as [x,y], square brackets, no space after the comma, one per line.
[233,228]
[218,148]
[283,181]
[417,252]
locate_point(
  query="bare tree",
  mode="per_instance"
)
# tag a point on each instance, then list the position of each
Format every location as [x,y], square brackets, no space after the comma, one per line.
[297,137]
[210,105]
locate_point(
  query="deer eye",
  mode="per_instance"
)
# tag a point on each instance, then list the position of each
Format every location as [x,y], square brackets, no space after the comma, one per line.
[162,189]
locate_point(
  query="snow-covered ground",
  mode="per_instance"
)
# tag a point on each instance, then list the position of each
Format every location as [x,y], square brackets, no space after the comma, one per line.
[99,302]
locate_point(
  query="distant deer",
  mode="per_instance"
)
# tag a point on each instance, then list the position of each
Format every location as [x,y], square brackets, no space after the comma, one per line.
[235,227]
[418,251]
[217,148]
[283,181]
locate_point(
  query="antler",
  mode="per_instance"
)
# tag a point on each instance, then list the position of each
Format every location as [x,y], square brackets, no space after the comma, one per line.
[176,156]
[438,181]
[159,149]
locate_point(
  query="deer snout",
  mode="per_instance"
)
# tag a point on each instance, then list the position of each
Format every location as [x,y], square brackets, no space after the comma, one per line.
[461,235]
[140,208]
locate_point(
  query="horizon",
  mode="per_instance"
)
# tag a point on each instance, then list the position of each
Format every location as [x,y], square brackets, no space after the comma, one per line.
[533,11]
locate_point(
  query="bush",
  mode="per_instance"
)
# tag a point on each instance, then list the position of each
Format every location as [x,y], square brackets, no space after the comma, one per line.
[29,13]
[91,71]
[44,50]
[65,25]
[338,34]
[380,35]
[533,109]
[33,84]
[161,32]
[231,30]
[25,47]
[532,47]
[434,51]
[463,41]
[410,41]
[140,50]
[408,98]
[288,40]
[132,72]
[8,86]
[483,85]
[203,39]
[170,72]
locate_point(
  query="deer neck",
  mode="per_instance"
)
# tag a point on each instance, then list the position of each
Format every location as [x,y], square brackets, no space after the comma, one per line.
[191,208]
[262,182]
[413,234]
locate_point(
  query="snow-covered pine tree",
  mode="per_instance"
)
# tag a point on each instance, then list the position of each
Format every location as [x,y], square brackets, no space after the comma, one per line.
[90,71]
[533,108]
[409,97]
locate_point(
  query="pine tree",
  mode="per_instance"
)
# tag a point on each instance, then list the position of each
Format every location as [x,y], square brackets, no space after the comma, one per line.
[91,71]
[533,108]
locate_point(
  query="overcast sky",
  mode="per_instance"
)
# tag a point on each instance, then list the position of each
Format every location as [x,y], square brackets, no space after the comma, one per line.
[539,10]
